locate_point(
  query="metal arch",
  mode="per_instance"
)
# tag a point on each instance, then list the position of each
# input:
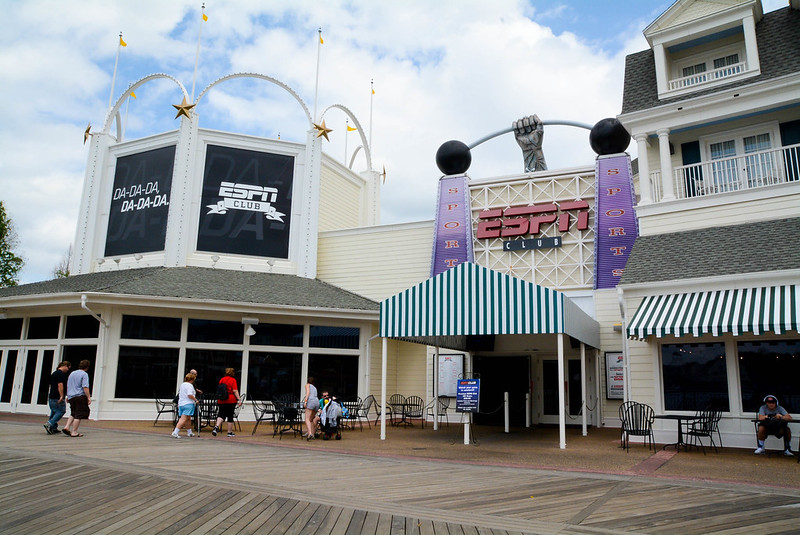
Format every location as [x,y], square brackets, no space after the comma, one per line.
[261,77]
[545,123]
[364,144]
[353,157]
[114,112]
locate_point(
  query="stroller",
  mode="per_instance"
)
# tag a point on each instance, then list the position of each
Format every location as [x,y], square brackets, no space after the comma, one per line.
[329,420]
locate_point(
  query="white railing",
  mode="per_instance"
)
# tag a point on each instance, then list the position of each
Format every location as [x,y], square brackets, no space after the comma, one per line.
[708,76]
[752,170]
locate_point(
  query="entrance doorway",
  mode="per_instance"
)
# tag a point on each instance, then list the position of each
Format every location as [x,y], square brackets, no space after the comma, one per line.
[548,402]
[499,375]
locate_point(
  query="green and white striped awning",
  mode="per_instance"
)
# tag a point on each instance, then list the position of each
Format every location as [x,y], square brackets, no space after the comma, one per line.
[470,300]
[738,311]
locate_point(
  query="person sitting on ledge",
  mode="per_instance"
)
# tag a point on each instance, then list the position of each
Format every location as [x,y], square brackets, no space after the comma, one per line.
[773,420]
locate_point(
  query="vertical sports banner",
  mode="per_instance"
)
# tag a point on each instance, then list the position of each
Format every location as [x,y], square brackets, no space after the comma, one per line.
[246,204]
[137,217]
[616,226]
[452,240]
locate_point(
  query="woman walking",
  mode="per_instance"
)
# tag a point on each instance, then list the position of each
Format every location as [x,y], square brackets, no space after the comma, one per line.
[311,404]
[227,405]
[186,405]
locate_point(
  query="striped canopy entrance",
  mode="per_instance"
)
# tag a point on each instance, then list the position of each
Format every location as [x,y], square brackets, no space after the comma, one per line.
[738,311]
[470,300]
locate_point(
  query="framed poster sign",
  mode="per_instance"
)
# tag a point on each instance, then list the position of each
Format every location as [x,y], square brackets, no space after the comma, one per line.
[451,367]
[615,375]
[468,396]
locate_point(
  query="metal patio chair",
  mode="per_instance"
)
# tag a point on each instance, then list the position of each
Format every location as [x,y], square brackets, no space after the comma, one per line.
[164,406]
[438,409]
[262,411]
[637,421]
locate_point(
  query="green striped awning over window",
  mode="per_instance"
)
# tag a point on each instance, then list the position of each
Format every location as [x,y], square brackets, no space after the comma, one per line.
[470,300]
[738,311]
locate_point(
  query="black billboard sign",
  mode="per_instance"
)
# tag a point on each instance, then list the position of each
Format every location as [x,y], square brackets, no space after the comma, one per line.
[137,219]
[246,203]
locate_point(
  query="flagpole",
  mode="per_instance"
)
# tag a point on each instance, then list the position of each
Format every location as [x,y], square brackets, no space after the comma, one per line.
[114,77]
[197,53]
[371,95]
[346,135]
[316,83]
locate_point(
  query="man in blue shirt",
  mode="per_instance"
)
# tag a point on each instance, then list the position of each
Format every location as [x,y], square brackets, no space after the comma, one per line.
[772,420]
[79,399]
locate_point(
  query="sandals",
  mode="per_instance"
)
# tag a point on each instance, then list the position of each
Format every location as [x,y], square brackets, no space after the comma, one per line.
[66,432]
[77,435]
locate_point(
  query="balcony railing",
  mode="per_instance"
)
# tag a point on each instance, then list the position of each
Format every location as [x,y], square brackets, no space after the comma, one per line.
[752,170]
[708,76]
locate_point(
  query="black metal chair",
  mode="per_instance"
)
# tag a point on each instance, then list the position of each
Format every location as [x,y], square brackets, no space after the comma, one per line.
[262,411]
[363,410]
[237,409]
[637,420]
[414,408]
[702,426]
[623,409]
[206,413]
[166,407]
[289,415]
[438,409]
[397,403]
[379,408]
[353,406]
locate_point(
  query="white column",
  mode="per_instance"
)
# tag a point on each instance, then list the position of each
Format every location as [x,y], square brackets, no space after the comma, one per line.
[384,357]
[662,69]
[435,403]
[583,389]
[667,182]
[750,44]
[562,415]
[645,194]
[176,244]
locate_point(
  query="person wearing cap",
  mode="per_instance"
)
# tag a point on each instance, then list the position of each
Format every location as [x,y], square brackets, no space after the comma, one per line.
[772,420]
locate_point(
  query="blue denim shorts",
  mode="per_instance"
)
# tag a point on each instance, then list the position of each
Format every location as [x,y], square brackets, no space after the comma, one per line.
[186,410]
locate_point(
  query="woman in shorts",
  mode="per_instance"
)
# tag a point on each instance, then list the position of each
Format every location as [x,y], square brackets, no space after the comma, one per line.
[186,405]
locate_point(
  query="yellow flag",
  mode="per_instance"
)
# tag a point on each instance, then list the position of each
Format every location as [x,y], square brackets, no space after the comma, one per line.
[373,91]
[133,94]
[121,42]
[320,40]
[205,17]
[351,129]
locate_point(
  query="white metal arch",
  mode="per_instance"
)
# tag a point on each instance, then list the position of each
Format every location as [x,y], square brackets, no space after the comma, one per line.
[364,144]
[114,112]
[261,77]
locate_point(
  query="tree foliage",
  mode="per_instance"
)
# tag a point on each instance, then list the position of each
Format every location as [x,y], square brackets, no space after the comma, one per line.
[61,270]
[10,263]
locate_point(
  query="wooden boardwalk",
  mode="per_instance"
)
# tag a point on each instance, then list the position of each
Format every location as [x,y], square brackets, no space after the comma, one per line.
[134,483]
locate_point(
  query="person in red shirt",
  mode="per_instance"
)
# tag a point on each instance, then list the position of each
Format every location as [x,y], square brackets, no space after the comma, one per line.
[227,406]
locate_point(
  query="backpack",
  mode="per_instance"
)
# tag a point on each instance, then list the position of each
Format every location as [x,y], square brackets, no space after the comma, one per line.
[222,392]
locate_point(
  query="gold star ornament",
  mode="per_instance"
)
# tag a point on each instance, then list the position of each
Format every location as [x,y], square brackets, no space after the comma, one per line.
[322,131]
[87,133]
[183,109]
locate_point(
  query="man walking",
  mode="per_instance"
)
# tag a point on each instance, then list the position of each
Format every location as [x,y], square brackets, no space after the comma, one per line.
[57,399]
[79,399]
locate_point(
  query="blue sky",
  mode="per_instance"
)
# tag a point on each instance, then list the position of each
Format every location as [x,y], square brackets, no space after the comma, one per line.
[454,69]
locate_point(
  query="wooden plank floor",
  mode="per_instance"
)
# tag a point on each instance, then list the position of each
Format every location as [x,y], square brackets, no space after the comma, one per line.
[132,483]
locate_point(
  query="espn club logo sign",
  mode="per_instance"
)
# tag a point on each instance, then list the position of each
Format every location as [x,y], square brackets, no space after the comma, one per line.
[530,220]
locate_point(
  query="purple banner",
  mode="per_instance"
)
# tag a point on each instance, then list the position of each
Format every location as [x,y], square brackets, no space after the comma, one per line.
[616,227]
[452,239]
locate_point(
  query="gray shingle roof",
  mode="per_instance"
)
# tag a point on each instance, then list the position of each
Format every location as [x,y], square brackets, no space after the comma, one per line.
[778,35]
[204,284]
[737,249]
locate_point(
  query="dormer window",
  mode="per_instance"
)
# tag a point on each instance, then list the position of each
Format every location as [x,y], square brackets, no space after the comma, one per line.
[714,67]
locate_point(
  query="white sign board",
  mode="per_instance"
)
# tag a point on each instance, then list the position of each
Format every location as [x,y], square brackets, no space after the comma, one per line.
[451,368]
[615,376]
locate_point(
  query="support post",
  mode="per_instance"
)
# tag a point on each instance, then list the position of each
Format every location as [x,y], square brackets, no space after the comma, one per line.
[562,416]
[384,357]
[527,409]
[583,389]
[505,410]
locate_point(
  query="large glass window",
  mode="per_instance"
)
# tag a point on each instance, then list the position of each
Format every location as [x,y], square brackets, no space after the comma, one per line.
[44,376]
[40,328]
[334,337]
[10,329]
[8,378]
[275,334]
[695,376]
[75,354]
[210,365]
[144,372]
[272,374]
[770,367]
[151,328]
[215,331]
[81,327]
[338,374]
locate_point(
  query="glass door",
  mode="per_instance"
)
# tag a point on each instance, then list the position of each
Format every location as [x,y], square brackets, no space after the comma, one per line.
[26,379]
[547,402]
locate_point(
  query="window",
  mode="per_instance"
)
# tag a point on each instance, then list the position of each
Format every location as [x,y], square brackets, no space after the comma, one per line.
[725,61]
[334,337]
[81,327]
[694,376]
[10,329]
[41,328]
[75,354]
[215,332]
[769,368]
[337,374]
[693,73]
[274,334]
[273,374]
[144,372]
[8,379]
[151,328]
[744,159]
[210,365]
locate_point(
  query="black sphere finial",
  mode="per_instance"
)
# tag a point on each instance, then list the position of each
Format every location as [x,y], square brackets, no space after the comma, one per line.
[453,157]
[608,136]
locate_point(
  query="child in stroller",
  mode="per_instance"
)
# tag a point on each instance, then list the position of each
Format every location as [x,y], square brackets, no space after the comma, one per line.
[330,414]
